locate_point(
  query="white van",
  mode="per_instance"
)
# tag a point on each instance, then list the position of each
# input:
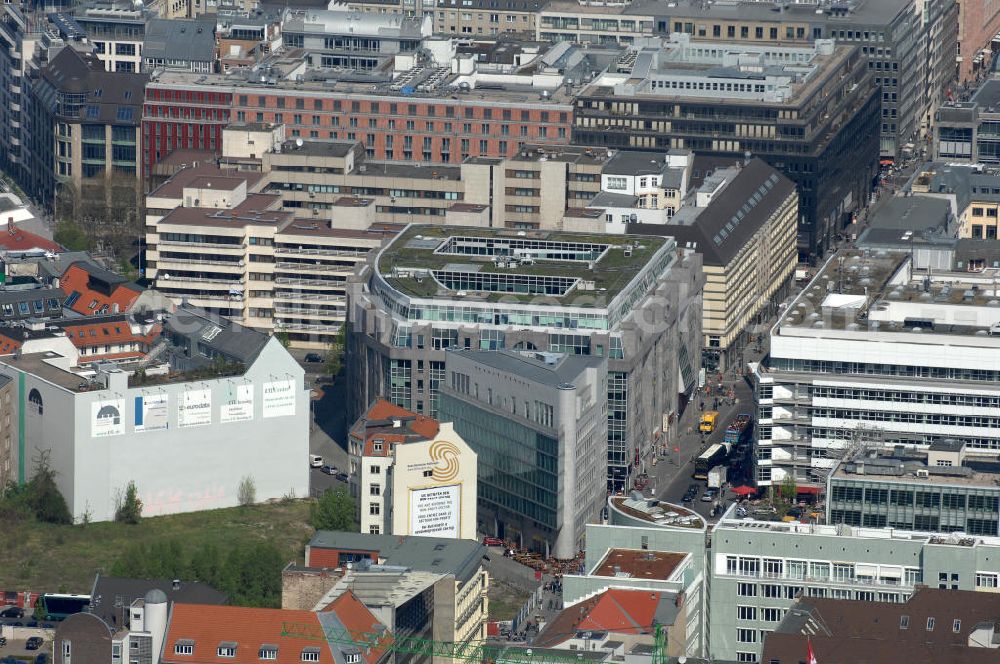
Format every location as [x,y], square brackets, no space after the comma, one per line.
[315,461]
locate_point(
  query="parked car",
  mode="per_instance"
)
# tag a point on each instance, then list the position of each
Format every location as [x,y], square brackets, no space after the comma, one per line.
[42,658]
[33,643]
[315,461]
[3,641]
[708,496]
[492,541]
[342,476]
[329,470]
[12,612]
[314,357]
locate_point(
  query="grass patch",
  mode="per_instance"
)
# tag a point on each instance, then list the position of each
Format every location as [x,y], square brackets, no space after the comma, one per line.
[44,557]
[505,600]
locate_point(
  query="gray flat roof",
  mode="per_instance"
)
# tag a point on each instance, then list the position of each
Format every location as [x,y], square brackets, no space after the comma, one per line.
[318,148]
[427,554]
[552,369]
[866,12]
[912,213]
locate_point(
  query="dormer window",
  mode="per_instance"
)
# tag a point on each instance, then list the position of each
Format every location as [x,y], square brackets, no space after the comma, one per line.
[352,658]
[227,649]
[310,654]
[268,651]
[184,647]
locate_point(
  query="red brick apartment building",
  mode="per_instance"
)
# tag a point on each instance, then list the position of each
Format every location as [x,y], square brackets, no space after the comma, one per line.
[185,111]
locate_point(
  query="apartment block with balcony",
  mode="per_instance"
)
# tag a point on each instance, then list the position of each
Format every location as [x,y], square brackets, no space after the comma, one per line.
[214,239]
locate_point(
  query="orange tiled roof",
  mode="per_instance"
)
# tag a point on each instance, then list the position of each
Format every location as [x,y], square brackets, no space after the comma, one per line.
[417,427]
[207,627]
[15,238]
[88,301]
[614,610]
[87,334]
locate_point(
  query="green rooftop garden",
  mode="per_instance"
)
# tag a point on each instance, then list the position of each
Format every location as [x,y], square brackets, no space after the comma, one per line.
[612,271]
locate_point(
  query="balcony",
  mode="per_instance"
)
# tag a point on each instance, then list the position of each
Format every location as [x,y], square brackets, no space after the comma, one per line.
[318,283]
[309,251]
[311,297]
[335,313]
[164,282]
[305,327]
[311,267]
[236,265]
[206,245]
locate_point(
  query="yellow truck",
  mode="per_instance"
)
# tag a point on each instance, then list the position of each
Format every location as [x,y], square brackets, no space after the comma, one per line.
[708,419]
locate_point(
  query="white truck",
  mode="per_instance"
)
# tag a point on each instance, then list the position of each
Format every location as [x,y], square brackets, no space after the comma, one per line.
[717,477]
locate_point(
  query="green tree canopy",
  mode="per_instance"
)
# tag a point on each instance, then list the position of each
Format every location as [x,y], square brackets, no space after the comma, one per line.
[333,511]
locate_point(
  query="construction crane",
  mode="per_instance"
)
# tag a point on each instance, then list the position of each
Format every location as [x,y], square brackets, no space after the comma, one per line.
[471,651]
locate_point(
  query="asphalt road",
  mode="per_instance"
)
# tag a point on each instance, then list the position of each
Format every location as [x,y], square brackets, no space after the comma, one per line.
[327,426]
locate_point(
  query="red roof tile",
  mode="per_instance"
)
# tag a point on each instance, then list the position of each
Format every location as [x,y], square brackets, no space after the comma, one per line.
[77,278]
[14,238]
[416,427]
[614,610]
[209,626]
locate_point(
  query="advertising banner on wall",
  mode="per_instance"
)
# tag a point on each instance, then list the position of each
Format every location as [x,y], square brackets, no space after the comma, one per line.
[106,418]
[238,406]
[279,398]
[151,412]
[435,512]
[195,408]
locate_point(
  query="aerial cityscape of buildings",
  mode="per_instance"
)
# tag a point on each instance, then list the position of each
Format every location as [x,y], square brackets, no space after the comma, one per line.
[500,331]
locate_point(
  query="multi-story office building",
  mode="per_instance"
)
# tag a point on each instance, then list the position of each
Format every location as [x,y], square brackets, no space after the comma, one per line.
[978,27]
[537,424]
[16,48]
[893,36]
[596,23]
[635,300]
[348,40]
[742,220]
[969,131]
[809,111]
[115,28]
[936,491]
[86,121]
[469,18]
[411,475]
[756,570]
[873,354]
[433,106]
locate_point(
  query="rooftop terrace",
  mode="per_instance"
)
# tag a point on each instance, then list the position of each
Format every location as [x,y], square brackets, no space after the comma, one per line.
[492,264]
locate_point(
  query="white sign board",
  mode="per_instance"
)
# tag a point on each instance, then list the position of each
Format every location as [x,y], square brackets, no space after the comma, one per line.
[279,398]
[435,512]
[195,408]
[106,418]
[151,412]
[238,406]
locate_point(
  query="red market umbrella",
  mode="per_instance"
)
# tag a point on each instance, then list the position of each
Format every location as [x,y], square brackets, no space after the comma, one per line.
[743,490]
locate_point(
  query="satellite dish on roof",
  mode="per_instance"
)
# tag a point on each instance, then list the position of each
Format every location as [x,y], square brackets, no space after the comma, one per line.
[298,142]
